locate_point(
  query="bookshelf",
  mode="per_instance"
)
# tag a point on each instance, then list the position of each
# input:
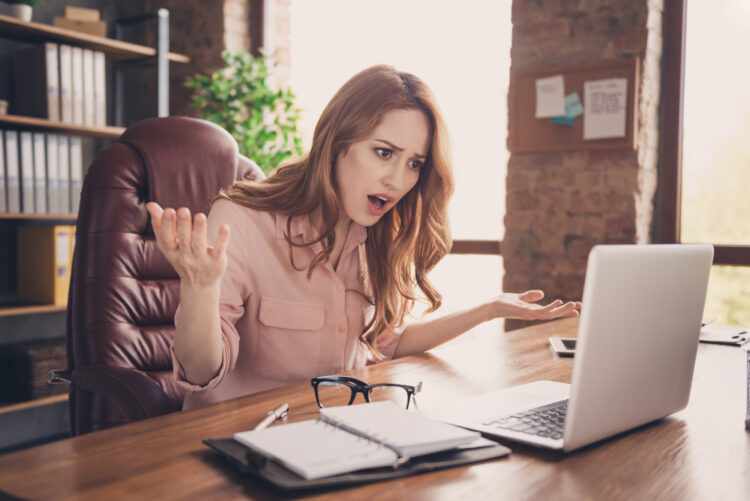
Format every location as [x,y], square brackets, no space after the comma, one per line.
[118,50]
[14,312]
[40,124]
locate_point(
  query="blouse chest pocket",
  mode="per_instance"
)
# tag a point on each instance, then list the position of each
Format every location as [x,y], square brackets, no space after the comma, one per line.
[289,339]
[285,314]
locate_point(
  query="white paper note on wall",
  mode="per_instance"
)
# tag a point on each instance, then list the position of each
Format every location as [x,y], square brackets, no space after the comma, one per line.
[550,97]
[604,106]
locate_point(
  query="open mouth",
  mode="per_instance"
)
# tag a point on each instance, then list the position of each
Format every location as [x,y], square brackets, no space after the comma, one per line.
[378,202]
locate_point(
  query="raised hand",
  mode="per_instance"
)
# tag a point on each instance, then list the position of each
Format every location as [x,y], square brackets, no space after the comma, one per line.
[183,242]
[522,306]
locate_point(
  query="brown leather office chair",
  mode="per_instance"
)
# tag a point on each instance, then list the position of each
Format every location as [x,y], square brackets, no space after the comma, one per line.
[123,292]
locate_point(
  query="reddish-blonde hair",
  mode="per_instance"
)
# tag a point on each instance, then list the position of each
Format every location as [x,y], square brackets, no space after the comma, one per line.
[409,240]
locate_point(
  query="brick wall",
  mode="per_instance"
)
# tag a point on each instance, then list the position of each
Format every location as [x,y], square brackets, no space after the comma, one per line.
[560,204]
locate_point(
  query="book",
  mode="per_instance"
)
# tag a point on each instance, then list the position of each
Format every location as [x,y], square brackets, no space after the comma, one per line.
[12,173]
[26,171]
[36,78]
[355,437]
[53,175]
[63,170]
[76,172]
[66,83]
[44,263]
[40,173]
[100,89]
[77,84]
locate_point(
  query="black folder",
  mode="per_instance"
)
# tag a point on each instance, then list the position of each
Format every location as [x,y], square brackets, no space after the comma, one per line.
[266,469]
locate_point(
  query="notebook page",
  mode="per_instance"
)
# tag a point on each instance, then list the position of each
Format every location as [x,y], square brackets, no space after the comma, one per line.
[409,433]
[314,449]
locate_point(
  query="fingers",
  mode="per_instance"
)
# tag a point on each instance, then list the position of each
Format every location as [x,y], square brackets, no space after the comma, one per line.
[531,296]
[199,242]
[184,230]
[222,241]
[165,231]
[156,213]
[569,309]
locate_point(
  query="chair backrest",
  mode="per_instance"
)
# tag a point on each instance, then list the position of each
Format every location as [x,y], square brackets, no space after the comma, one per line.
[123,292]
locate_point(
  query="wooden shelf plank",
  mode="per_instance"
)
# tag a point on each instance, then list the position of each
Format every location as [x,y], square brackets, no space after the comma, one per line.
[47,216]
[19,406]
[21,122]
[11,27]
[11,310]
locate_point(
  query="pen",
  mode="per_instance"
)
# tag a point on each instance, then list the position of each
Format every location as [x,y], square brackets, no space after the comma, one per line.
[708,322]
[279,412]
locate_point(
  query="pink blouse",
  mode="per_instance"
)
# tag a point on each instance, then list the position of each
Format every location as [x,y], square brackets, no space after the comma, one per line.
[278,326]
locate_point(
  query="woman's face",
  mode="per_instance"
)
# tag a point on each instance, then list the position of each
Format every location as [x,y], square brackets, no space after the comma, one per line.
[374,174]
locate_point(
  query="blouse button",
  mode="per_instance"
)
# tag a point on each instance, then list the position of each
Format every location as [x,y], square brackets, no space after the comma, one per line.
[342,329]
[340,287]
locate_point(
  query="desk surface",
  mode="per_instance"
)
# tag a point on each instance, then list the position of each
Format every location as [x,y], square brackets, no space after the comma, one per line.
[702,452]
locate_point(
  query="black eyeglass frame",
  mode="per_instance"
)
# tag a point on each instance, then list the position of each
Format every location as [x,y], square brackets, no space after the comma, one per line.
[359,386]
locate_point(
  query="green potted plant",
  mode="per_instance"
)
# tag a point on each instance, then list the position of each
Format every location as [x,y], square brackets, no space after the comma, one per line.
[22,9]
[240,98]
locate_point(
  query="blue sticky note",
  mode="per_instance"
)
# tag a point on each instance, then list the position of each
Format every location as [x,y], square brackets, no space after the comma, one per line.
[562,120]
[573,107]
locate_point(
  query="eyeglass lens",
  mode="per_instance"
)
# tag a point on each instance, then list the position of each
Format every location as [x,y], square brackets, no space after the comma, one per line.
[332,394]
[395,394]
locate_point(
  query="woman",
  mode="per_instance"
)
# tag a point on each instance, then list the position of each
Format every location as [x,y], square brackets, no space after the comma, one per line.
[327,254]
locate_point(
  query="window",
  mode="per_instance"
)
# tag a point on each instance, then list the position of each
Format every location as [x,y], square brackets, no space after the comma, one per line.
[462,51]
[705,172]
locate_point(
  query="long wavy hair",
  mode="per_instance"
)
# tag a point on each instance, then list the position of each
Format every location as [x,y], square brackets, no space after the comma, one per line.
[409,240]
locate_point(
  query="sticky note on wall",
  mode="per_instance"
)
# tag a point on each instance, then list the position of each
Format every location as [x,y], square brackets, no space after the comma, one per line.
[550,97]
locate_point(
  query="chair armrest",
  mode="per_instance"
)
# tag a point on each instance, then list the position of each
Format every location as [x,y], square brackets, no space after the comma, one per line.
[60,376]
[136,395]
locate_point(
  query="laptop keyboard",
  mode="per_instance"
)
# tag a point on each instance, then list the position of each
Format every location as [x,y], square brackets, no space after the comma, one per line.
[547,421]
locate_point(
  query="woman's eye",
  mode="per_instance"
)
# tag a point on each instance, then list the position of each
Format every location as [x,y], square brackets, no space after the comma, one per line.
[383,152]
[416,164]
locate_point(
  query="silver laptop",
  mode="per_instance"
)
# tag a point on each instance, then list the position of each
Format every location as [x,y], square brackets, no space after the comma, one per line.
[636,348]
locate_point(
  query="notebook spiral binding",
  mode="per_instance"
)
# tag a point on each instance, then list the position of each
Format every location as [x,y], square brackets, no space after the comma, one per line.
[370,437]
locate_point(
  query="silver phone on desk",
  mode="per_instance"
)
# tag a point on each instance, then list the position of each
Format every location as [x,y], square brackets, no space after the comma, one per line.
[563,346]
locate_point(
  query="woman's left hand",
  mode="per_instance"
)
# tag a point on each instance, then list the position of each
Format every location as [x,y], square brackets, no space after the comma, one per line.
[521,306]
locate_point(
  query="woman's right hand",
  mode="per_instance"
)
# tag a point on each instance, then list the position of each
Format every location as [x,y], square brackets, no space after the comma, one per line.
[183,242]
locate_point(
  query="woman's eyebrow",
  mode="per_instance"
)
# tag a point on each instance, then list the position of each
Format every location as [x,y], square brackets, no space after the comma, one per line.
[398,148]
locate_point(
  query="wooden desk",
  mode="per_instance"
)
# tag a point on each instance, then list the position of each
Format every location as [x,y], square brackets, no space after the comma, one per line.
[701,453]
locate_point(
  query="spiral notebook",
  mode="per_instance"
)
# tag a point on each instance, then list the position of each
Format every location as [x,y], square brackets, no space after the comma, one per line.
[356,437]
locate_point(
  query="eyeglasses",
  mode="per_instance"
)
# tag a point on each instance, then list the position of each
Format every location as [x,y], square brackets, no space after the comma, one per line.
[331,391]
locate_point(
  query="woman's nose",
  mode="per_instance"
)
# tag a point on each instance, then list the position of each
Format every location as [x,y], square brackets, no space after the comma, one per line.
[394,178]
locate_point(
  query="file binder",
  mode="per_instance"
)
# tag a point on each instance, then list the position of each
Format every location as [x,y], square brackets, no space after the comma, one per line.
[76,172]
[77,84]
[66,83]
[44,258]
[53,175]
[12,173]
[100,89]
[37,82]
[63,164]
[26,172]
[40,173]
[89,103]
